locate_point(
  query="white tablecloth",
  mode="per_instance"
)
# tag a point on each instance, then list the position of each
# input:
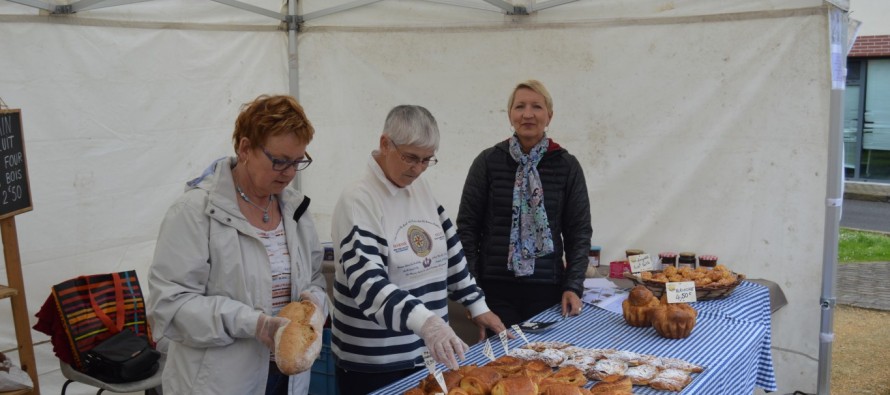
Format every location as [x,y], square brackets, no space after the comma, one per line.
[731,340]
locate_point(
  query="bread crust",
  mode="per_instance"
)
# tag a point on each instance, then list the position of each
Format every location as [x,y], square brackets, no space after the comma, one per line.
[298,343]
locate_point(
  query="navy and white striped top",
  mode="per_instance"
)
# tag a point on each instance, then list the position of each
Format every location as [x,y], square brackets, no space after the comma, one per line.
[398,257]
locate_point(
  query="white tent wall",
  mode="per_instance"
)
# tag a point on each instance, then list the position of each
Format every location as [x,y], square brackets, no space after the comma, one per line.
[708,136]
[116,117]
[701,125]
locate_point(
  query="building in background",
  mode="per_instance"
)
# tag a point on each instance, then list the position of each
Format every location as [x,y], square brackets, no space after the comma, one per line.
[867,99]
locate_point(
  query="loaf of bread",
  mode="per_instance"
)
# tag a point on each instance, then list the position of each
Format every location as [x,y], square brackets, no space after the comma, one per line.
[637,305]
[298,343]
[562,389]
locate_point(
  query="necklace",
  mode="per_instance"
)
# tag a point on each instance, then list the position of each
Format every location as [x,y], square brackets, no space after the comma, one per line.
[264,210]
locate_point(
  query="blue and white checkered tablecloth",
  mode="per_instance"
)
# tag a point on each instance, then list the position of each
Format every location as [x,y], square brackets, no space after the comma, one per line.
[731,340]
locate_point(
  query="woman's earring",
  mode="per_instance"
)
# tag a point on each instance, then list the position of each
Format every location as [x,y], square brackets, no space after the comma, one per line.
[512,129]
[546,129]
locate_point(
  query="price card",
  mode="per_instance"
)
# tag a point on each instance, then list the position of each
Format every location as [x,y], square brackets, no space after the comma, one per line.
[680,292]
[504,341]
[487,351]
[441,380]
[519,331]
[429,362]
[640,263]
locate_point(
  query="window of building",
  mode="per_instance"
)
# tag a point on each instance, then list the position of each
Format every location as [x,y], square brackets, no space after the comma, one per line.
[867,120]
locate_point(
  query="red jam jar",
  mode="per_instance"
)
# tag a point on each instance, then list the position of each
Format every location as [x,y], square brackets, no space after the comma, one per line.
[708,261]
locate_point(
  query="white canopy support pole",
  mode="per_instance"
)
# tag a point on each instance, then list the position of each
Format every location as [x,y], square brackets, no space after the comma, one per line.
[86,5]
[508,8]
[252,8]
[36,4]
[548,4]
[339,8]
[293,65]
[838,30]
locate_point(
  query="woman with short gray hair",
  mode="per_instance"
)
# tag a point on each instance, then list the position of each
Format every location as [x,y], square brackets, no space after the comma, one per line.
[398,258]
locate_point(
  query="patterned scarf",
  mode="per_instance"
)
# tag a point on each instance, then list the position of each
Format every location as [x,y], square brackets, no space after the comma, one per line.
[530,235]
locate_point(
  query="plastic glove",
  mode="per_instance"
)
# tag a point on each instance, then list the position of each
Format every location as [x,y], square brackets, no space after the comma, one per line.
[310,296]
[442,342]
[266,326]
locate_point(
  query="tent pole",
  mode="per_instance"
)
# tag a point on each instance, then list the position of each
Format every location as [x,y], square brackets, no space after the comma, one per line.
[838,21]
[292,64]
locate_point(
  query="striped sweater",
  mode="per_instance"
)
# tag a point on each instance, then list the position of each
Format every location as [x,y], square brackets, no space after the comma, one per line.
[398,258]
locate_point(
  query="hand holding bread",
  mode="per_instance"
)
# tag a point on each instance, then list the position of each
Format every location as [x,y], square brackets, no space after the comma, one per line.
[298,343]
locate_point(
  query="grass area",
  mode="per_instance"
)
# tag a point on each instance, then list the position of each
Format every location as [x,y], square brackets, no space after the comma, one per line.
[862,246]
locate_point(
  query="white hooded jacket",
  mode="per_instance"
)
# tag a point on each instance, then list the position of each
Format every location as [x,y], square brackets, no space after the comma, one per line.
[211,279]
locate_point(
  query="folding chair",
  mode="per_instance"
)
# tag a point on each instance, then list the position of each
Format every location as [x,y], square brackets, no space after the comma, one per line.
[151,385]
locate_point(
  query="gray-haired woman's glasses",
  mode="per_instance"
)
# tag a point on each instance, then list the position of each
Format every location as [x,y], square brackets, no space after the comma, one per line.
[414,159]
[279,164]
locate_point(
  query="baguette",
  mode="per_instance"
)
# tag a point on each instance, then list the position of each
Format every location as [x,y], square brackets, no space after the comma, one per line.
[298,343]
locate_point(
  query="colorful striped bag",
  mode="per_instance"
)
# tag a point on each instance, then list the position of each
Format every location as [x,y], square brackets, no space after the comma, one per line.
[96,307]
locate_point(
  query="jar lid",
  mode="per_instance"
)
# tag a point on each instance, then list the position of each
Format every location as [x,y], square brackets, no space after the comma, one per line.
[634,252]
[687,254]
[667,254]
[595,248]
[707,257]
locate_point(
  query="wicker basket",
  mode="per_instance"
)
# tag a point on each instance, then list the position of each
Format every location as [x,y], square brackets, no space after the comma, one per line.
[701,293]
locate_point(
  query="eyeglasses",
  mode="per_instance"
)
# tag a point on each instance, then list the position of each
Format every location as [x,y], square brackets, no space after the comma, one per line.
[279,164]
[413,159]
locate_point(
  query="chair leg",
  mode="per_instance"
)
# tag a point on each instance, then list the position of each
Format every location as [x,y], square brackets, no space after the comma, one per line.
[65,386]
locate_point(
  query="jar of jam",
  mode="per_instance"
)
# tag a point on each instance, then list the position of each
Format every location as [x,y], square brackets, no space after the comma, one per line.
[686,259]
[668,259]
[593,261]
[708,261]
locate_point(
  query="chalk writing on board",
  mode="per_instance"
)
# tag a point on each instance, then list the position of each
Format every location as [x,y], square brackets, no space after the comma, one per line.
[15,194]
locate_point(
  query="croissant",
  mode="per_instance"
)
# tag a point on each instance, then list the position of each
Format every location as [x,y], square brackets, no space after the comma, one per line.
[431,386]
[637,305]
[569,375]
[457,391]
[536,370]
[479,381]
[613,385]
[516,385]
[507,365]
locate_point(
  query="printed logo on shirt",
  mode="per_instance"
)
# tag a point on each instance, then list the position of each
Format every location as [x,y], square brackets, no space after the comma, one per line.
[420,241]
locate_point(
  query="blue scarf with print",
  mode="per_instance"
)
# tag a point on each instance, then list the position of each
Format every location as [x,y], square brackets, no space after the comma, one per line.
[530,235]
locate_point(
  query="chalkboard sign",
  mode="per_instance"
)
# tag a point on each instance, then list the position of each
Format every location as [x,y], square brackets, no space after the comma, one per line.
[15,192]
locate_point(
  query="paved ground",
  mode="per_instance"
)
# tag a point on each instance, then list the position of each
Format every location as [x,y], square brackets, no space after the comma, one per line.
[864,285]
[866,215]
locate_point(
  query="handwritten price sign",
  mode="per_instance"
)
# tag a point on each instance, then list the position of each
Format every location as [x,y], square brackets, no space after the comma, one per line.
[640,263]
[680,292]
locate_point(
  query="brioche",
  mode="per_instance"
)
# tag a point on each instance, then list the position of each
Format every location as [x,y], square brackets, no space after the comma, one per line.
[637,305]
[673,321]
[298,343]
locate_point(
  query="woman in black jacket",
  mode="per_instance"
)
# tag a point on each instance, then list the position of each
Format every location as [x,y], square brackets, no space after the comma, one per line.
[524,207]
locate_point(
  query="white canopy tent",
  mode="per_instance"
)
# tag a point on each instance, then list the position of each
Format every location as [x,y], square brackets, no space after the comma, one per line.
[702,125]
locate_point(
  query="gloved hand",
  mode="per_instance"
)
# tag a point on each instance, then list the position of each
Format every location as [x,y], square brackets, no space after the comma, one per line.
[266,326]
[442,342]
[310,296]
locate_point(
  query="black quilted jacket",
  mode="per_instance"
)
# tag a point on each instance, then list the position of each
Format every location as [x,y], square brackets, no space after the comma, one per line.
[483,220]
